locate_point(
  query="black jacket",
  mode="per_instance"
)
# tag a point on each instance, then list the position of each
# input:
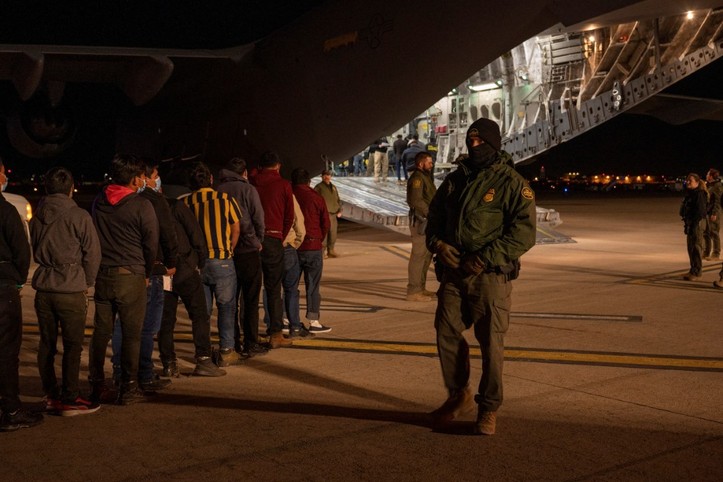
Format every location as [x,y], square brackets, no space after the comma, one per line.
[168,240]
[192,249]
[14,247]
[127,231]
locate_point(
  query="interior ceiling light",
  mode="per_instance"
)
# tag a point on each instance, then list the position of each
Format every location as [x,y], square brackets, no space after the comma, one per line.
[487,86]
[689,15]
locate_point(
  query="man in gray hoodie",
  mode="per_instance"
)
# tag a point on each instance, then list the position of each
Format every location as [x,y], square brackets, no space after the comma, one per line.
[66,248]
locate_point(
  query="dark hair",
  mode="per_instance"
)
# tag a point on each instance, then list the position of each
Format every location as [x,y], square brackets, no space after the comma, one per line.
[714,173]
[58,180]
[269,159]
[326,172]
[236,165]
[149,165]
[415,137]
[123,168]
[420,156]
[200,176]
[300,176]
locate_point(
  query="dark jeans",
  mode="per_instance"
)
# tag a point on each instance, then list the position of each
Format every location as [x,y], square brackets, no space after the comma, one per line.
[11,336]
[123,295]
[290,283]
[190,290]
[272,265]
[695,248]
[311,264]
[249,278]
[67,311]
[151,325]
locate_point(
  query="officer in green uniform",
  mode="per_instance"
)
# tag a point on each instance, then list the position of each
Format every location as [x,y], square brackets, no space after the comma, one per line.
[333,204]
[711,236]
[420,191]
[481,221]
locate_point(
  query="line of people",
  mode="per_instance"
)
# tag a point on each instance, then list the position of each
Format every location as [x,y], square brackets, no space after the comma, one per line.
[142,250]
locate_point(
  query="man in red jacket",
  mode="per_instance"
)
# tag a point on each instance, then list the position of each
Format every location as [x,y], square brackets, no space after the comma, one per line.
[311,259]
[277,202]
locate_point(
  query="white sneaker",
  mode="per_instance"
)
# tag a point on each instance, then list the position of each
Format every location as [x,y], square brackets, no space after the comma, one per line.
[316,327]
[285,329]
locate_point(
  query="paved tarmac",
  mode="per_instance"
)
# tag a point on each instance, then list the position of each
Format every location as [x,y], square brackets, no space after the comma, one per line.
[614,371]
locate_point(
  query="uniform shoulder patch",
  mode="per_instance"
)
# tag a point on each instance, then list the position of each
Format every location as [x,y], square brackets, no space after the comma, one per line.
[489,196]
[527,193]
[417,183]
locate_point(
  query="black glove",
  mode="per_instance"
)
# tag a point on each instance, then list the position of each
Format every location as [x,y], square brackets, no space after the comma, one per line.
[472,264]
[448,254]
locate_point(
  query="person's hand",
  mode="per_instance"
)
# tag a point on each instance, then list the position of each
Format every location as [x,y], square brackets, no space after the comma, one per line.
[713,217]
[338,214]
[448,254]
[170,271]
[472,264]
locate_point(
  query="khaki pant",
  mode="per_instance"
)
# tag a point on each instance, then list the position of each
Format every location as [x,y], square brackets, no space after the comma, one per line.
[330,239]
[419,262]
[482,302]
[381,165]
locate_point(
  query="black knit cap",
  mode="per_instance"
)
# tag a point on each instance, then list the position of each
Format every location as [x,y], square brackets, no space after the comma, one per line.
[486,130]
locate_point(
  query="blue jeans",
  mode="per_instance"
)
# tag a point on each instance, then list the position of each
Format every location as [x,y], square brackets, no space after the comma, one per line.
[219,281]
[151,325]
[401,167]
[311,263]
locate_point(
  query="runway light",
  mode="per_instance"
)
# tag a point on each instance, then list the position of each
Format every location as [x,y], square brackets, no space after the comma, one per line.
[689,15]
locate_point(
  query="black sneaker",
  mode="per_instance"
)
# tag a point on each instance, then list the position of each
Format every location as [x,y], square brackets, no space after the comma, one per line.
[154,384]
[316,327]
[101,393]
[20,418]
[206,368]
[170,370]
[255,349]
[301,332]
[130,394]
[79,406]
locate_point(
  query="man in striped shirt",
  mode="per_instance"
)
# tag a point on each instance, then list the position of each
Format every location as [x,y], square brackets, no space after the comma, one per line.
[219,216]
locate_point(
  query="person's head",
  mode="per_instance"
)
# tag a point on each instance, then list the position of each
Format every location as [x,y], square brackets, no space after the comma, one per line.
[59,180]
[237,165]
[423,161]
[713,175]
[270,160]
[200,176]
[127,170]
[153,179]
[399,136]
[415,137]
[484,131]
[693,181]
[300,177]
[326,176]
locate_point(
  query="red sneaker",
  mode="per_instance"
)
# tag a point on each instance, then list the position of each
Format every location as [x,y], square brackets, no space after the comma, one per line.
[80,406]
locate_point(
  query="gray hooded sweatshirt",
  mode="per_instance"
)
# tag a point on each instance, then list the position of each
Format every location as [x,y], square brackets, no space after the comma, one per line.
[65,246]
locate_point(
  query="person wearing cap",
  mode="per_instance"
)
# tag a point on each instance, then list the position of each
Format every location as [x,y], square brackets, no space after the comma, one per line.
[420,191]
[481,220]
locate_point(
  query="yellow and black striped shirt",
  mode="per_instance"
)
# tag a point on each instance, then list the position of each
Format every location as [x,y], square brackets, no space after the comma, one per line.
[216,212]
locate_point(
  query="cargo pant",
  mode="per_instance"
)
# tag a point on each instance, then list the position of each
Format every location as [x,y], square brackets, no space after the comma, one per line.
[482,302]
[711,237]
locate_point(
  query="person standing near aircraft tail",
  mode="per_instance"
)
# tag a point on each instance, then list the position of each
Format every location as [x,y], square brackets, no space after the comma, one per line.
[398,147]
[331,197]
[481,220]
[277,201]
[165,265]
[220,218]
[67,250]
[381,160]
[711,236]
[246,255]
[14,267]
[127,229]
[311,259]
[186,284]
[693,212]
[420,191]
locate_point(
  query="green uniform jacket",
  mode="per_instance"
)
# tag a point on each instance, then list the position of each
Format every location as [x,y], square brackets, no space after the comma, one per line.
[420,191]
[330,195]
[490,212]
[715,189]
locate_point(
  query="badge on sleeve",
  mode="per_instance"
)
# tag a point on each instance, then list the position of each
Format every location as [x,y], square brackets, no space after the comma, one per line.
[417,183]
[489,196]
[527,193]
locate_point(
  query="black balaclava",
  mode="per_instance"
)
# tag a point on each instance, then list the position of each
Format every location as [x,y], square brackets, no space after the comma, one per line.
[484,154]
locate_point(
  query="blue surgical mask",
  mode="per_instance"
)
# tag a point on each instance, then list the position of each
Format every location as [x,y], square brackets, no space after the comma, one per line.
[158,184]
[140,189]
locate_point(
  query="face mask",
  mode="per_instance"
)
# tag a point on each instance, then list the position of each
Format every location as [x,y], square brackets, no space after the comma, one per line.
[140,189]
[4,185]
[481,155]
[158,184]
